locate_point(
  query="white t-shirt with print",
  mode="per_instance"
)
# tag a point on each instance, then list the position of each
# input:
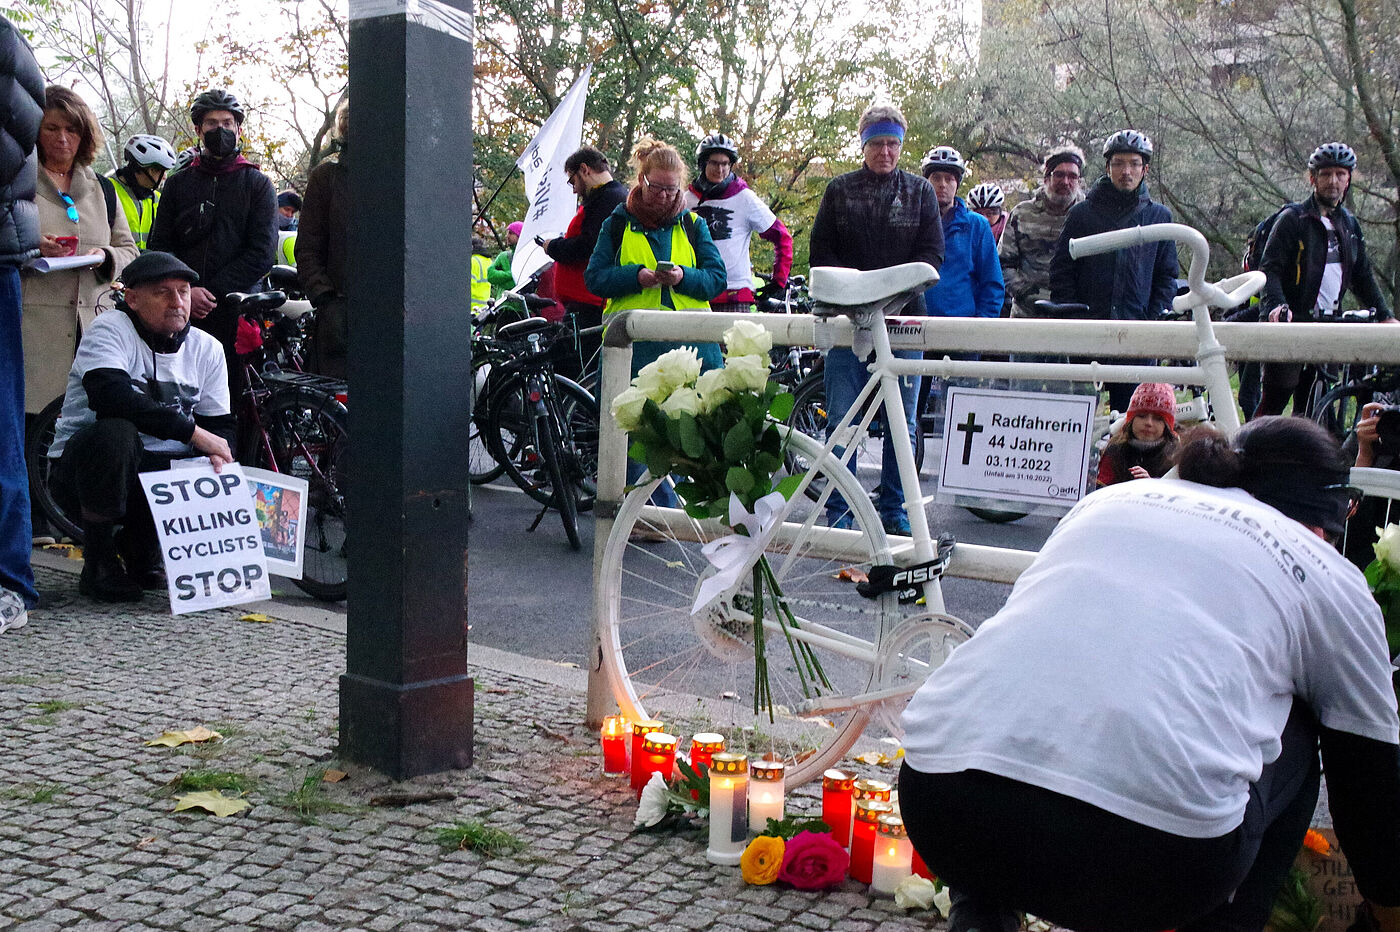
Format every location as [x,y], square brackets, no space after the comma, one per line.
[732,222]
[191,381]
[1329,291]
[1147,660]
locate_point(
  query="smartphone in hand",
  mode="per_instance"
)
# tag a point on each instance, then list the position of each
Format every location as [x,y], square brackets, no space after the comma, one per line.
[665,266]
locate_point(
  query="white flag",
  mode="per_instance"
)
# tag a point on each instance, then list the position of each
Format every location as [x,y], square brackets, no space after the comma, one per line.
[552,203]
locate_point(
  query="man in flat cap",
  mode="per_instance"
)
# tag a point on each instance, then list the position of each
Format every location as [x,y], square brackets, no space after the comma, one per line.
[145,389]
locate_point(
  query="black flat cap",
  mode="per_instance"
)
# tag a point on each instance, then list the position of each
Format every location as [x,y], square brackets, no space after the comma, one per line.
[156,266]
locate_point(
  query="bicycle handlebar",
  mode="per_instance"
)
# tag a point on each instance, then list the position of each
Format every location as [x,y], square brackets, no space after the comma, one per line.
[1228,293]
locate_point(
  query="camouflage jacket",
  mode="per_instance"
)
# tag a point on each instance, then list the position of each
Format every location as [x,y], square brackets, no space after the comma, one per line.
[1027,246]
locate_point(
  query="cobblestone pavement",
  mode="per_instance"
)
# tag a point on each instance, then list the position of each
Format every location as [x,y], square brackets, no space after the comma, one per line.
[88,838]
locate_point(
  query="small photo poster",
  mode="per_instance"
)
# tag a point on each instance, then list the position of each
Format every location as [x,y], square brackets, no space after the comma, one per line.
[279,502]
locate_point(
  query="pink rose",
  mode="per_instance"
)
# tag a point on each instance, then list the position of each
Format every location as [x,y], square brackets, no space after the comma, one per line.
[814,861]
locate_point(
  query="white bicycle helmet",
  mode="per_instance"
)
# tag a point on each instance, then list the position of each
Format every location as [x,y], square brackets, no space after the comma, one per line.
[186,157]
[716,142]
[1129,141]
[145,150]
[985,196]
[1332,155]
[944,159]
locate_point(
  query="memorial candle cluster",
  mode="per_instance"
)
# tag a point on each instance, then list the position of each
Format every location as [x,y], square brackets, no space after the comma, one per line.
[658,755]
[838,803]
[864,829]
[767,790]
[640,730]
[616,728]
[729,829]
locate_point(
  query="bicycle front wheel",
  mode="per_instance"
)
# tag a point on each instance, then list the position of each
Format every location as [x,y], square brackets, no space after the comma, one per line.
[697,671]
[513,432]
[308,438]
[564,500]
[40,468]
[482,465]
[1340,409]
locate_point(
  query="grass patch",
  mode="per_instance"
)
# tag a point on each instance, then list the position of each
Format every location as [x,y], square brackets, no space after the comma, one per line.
[31,792]
[52,706]
[21,680]
[310,800]
[227,729]
[47,721]
[471,835]
[198,780]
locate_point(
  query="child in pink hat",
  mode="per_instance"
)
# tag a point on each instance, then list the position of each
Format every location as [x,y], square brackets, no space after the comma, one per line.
[1145,445]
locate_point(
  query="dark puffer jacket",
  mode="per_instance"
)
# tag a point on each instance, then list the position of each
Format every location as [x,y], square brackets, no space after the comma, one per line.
[1127,284]
[21,110]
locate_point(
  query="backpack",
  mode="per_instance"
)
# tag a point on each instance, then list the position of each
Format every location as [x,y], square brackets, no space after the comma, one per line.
[1258,238]
[109,194]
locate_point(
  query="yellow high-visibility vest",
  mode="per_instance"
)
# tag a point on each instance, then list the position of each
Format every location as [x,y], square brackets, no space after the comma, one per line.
[481,285]
[140,215]
[636,250]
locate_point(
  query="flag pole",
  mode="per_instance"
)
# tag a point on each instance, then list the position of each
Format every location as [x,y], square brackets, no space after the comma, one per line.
[481,211]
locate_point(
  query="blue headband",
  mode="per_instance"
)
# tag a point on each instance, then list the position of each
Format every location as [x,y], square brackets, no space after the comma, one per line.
[885,128]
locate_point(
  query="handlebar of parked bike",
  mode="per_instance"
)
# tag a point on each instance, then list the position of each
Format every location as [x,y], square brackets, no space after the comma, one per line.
[1228,293]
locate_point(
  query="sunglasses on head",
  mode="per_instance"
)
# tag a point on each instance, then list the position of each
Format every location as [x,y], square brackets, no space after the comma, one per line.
[72,208]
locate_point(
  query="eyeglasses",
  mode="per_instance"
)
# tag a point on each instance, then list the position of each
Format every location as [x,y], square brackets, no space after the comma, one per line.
[886,143]
[719,163]
[1065,176]
[572,176]
[660,188]
[1352,494]
[72,208]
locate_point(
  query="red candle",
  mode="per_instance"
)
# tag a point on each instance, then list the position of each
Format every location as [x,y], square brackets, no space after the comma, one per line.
[614,737]
[703,748]
[863,831]
[639,732]
[837,803]
[874,790]
[921,868]
[658,756]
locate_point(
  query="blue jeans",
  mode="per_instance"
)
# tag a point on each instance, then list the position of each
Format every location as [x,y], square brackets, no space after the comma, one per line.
[16,537]
[845,376]
[644,354]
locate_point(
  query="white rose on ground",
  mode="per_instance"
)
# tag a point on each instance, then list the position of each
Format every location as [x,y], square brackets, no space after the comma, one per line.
[943,899]
[652,808]
[746,373]
[1388,547]
[915,892]
[678,367]
[682,400]
[747,338]
[714,390]
[627,408]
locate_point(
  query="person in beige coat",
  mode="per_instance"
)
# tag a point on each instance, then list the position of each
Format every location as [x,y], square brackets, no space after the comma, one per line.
[72,203]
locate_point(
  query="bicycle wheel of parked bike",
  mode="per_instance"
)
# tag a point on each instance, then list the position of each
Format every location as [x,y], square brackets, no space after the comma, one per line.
[482,465]
[1340,409]
[696,671]
[560,478]
[308,437]
[809,415]
[40,468]
[512,431]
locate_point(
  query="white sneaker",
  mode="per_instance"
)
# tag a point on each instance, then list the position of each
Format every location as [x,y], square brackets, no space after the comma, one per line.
[12,611]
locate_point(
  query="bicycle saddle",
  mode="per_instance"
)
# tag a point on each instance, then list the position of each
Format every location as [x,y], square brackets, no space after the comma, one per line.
[1069,310]
[261,301]
[851,287]
[517,329]
[284,278]
[294,309]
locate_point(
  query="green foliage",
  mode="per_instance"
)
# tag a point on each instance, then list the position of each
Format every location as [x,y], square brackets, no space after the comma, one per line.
[51,706]
[792,826]
[198,780]
[309,800]
[1295,907]
[471,835]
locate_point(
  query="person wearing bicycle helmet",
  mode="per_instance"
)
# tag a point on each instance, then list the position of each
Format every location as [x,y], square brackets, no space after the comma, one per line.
[145,389]
[1147,708]
[1136,283]
[734,213]
[1033,228]
[969,281]
[988,200]
[872,218]
[138,181]
[185,159]
[1315,254]
[219,216]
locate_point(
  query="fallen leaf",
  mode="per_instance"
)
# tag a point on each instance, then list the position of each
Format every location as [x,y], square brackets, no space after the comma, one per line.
[255,616]
[334,776]
[852,574]
[213,800]
[878,758]
[195,735]
[148,840]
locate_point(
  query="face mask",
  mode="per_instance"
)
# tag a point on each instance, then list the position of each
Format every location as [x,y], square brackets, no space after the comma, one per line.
[220,143]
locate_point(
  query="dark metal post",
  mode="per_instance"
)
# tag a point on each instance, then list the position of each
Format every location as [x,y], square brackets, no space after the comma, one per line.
[406,698]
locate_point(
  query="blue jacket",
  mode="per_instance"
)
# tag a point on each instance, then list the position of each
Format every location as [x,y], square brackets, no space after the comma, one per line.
[605,278]
[969,283]
[1129,284]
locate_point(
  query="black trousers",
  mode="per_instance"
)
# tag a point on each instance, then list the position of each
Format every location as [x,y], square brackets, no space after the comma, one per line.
[1006,845]
[98,475]
[1282,381]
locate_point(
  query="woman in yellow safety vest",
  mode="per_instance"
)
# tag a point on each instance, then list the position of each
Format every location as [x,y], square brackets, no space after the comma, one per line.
[481,285]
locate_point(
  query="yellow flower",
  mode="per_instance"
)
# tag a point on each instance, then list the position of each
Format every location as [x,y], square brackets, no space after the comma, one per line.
[1316,841]
[762,859]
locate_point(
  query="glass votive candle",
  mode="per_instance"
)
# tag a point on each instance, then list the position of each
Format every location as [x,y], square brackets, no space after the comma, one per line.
[658,756]
[864,828]
[729,788]
[616,728]
[877,790]
[639,732]
[837,803]
[893,855]
[767,789]
[918,865]
[703,747]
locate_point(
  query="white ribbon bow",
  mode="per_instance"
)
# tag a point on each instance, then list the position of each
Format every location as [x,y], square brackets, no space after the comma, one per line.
[731,556]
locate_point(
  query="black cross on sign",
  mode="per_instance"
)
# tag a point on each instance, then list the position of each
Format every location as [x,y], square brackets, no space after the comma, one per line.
[969,429]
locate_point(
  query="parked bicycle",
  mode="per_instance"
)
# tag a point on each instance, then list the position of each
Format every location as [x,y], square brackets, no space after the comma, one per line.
[663,662]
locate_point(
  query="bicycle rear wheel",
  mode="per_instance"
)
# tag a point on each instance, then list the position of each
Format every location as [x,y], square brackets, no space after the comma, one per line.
[512,431]
[482,465]
[1340,409]
[564,500]
[40,469]
[697,671]
[308,437]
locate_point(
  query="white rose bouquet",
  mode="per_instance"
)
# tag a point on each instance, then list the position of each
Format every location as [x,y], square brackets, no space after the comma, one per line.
[1383,576]
[718,433]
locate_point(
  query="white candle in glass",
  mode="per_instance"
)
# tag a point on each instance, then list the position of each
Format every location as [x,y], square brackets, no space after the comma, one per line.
[767,789]
[893,856]
[729,785]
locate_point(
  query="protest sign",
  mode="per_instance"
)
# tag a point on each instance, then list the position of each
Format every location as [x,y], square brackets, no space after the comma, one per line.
[279,502]
[209,537]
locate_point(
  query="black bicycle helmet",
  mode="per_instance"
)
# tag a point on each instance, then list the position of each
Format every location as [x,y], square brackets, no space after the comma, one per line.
[944,159]
[1129,141]
[985,196]
[217,99]
[145,150]
[716,142]
[1332,155]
